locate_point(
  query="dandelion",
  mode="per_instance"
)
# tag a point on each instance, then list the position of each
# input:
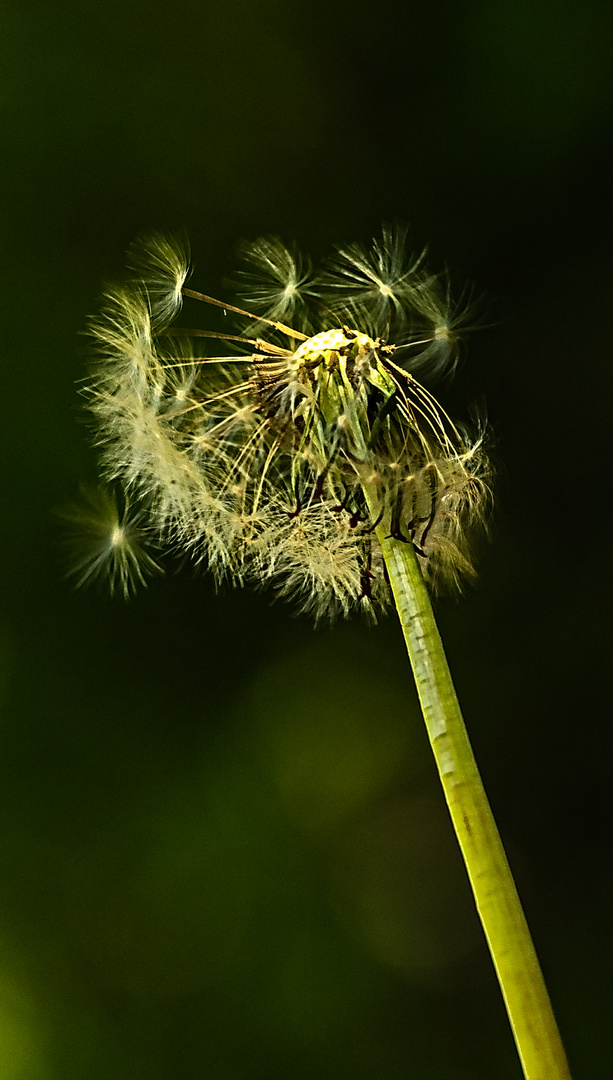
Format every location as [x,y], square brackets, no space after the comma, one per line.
[278,463]
[302,452]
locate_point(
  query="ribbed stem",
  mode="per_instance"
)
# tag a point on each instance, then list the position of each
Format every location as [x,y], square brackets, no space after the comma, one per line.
[525,994]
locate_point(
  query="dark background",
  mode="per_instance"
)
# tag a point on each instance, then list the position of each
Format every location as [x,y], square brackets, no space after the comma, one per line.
[223,848]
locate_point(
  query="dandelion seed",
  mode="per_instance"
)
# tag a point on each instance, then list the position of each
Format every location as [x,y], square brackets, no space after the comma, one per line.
[275,283]
[162,266]
[279,466]
[106,544]
[376,283]
[440,323]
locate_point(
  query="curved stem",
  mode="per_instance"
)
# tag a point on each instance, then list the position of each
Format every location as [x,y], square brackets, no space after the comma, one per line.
[525,994]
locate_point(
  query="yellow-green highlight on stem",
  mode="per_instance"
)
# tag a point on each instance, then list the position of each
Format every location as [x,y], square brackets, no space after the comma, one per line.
[525,994]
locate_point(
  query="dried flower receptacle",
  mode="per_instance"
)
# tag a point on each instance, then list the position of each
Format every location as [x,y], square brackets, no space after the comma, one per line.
[275,463]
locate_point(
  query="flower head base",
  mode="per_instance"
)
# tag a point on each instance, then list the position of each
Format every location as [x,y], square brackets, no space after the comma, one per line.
[281,463]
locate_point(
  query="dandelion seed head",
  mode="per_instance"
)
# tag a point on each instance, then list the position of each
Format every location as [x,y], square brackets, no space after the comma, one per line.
[278,454]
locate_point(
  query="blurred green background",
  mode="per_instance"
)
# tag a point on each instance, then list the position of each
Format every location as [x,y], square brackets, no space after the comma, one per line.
[223,848]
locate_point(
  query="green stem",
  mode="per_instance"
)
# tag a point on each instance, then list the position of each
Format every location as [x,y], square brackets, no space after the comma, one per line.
[525,994]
